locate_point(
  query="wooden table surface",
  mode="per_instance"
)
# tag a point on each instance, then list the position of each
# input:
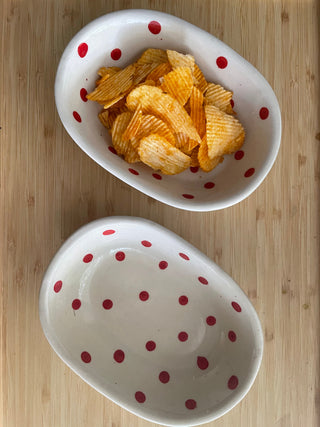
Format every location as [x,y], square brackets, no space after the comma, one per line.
[268,243]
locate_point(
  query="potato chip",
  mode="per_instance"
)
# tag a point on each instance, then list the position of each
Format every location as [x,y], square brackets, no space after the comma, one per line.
[102,79]
[178,83]
[194,157]
[151,124]
[154,101]
[114,86]
[160,71]
[156,152]
[123,147]
[153,56]
[177,59]
[201,83]
[133,126]
[184,143]
[142,71]
[225,133]
[103,117]
[197,111]
[108,70]
[113,101]
[205,162]
[219,97]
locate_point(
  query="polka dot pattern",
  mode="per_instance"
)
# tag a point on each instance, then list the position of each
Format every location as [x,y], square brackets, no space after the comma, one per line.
[133,171]
[83,94]
[184,256]
[87,258]
[86,357]
[222,62]
[202,363]
[249,172]
[211,320]
[154,27]
[120,256]
[203,280]
[164,377]
[183,336]
[107,304]
[238,155]
[144,296]
[108,232]
[119,356]
[77,116]
[57,286]
[163,265]
[209,185]
[232,336]
[264,113]
[183,300]
[140,397]
[116,54]
[82,50]
[157,176]
[76,304]
[112,149]
[191,404]
[146,243]
[233,382]
[150,345]
[236,306]
[188,196]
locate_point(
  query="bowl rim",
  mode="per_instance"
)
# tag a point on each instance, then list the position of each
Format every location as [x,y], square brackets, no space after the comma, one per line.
[184,204]
[69,361]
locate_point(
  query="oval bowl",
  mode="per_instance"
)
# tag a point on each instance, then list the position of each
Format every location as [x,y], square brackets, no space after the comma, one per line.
[150,322]
[118,39]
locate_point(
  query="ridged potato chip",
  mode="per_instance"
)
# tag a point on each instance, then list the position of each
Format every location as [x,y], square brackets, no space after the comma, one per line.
[133,126]
[151,124]
[142,72]
[224,133]
[177,59]
[114,86]
[113,101]
[178,83]
[194,157]
[156,152]
[108,70]
[153,56]
[160,71]
[205,162]
[104,119]
[123,147]
[197,111]
[201,82]
[184,143]
[219,97]
[154,101]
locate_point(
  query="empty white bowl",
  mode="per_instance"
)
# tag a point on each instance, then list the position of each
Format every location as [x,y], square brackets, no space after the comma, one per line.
[150,322]
[118,39]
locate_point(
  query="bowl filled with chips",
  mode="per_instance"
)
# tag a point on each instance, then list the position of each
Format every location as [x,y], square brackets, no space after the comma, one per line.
[168,109]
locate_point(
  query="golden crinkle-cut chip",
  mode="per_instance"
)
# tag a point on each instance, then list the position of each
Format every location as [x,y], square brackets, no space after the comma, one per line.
[113,101]
[153,56]
[133,126]
[219,97]
[194,156]
[108,70]
[197,111]
[123,147]
[178,83]
[177,59]
[104,119]
[151,124]
[142,72]
[225,134]
[156,152]
[205,162]
[201,82]
[114,86]
[160,71]
[184,143]
[154,101]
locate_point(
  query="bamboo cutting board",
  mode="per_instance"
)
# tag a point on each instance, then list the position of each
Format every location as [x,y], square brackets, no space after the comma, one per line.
[268,243]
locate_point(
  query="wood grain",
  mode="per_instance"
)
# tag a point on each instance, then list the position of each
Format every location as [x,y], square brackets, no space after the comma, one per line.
[269,243]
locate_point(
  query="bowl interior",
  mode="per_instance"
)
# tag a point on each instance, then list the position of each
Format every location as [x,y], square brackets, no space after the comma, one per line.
[130,33]
[151,322]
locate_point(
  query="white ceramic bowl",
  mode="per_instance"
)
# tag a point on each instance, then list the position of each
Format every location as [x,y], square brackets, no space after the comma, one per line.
[124,36]
[150,322]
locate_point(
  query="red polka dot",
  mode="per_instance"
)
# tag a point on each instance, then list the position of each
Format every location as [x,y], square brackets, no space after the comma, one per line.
[107,304]
[194,169]
[87,258]
[86,357]
[82,50]
[118,356]
[203,280]
[120,256]
[150,345]
[108,232]
[233,382]
[163,265]
[211,320]
[146,243]
[184,256]
[264,113]
[57,286]
[188,196]
[144,295]
[157,176]
[76,116]
[191,404]
[238,155]
[133,171]
[76,304]
[183,300]
[236,306]
[202,362]
[140,396]
[222,62]
[232,103]
[232,336]
[183,336]
[249,172]
[209,185]
[112,149]
[154,27]
[83,94]
[116,54]
[164,377]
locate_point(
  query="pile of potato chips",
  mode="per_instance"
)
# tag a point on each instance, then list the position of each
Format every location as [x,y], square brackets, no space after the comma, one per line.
[162,111]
